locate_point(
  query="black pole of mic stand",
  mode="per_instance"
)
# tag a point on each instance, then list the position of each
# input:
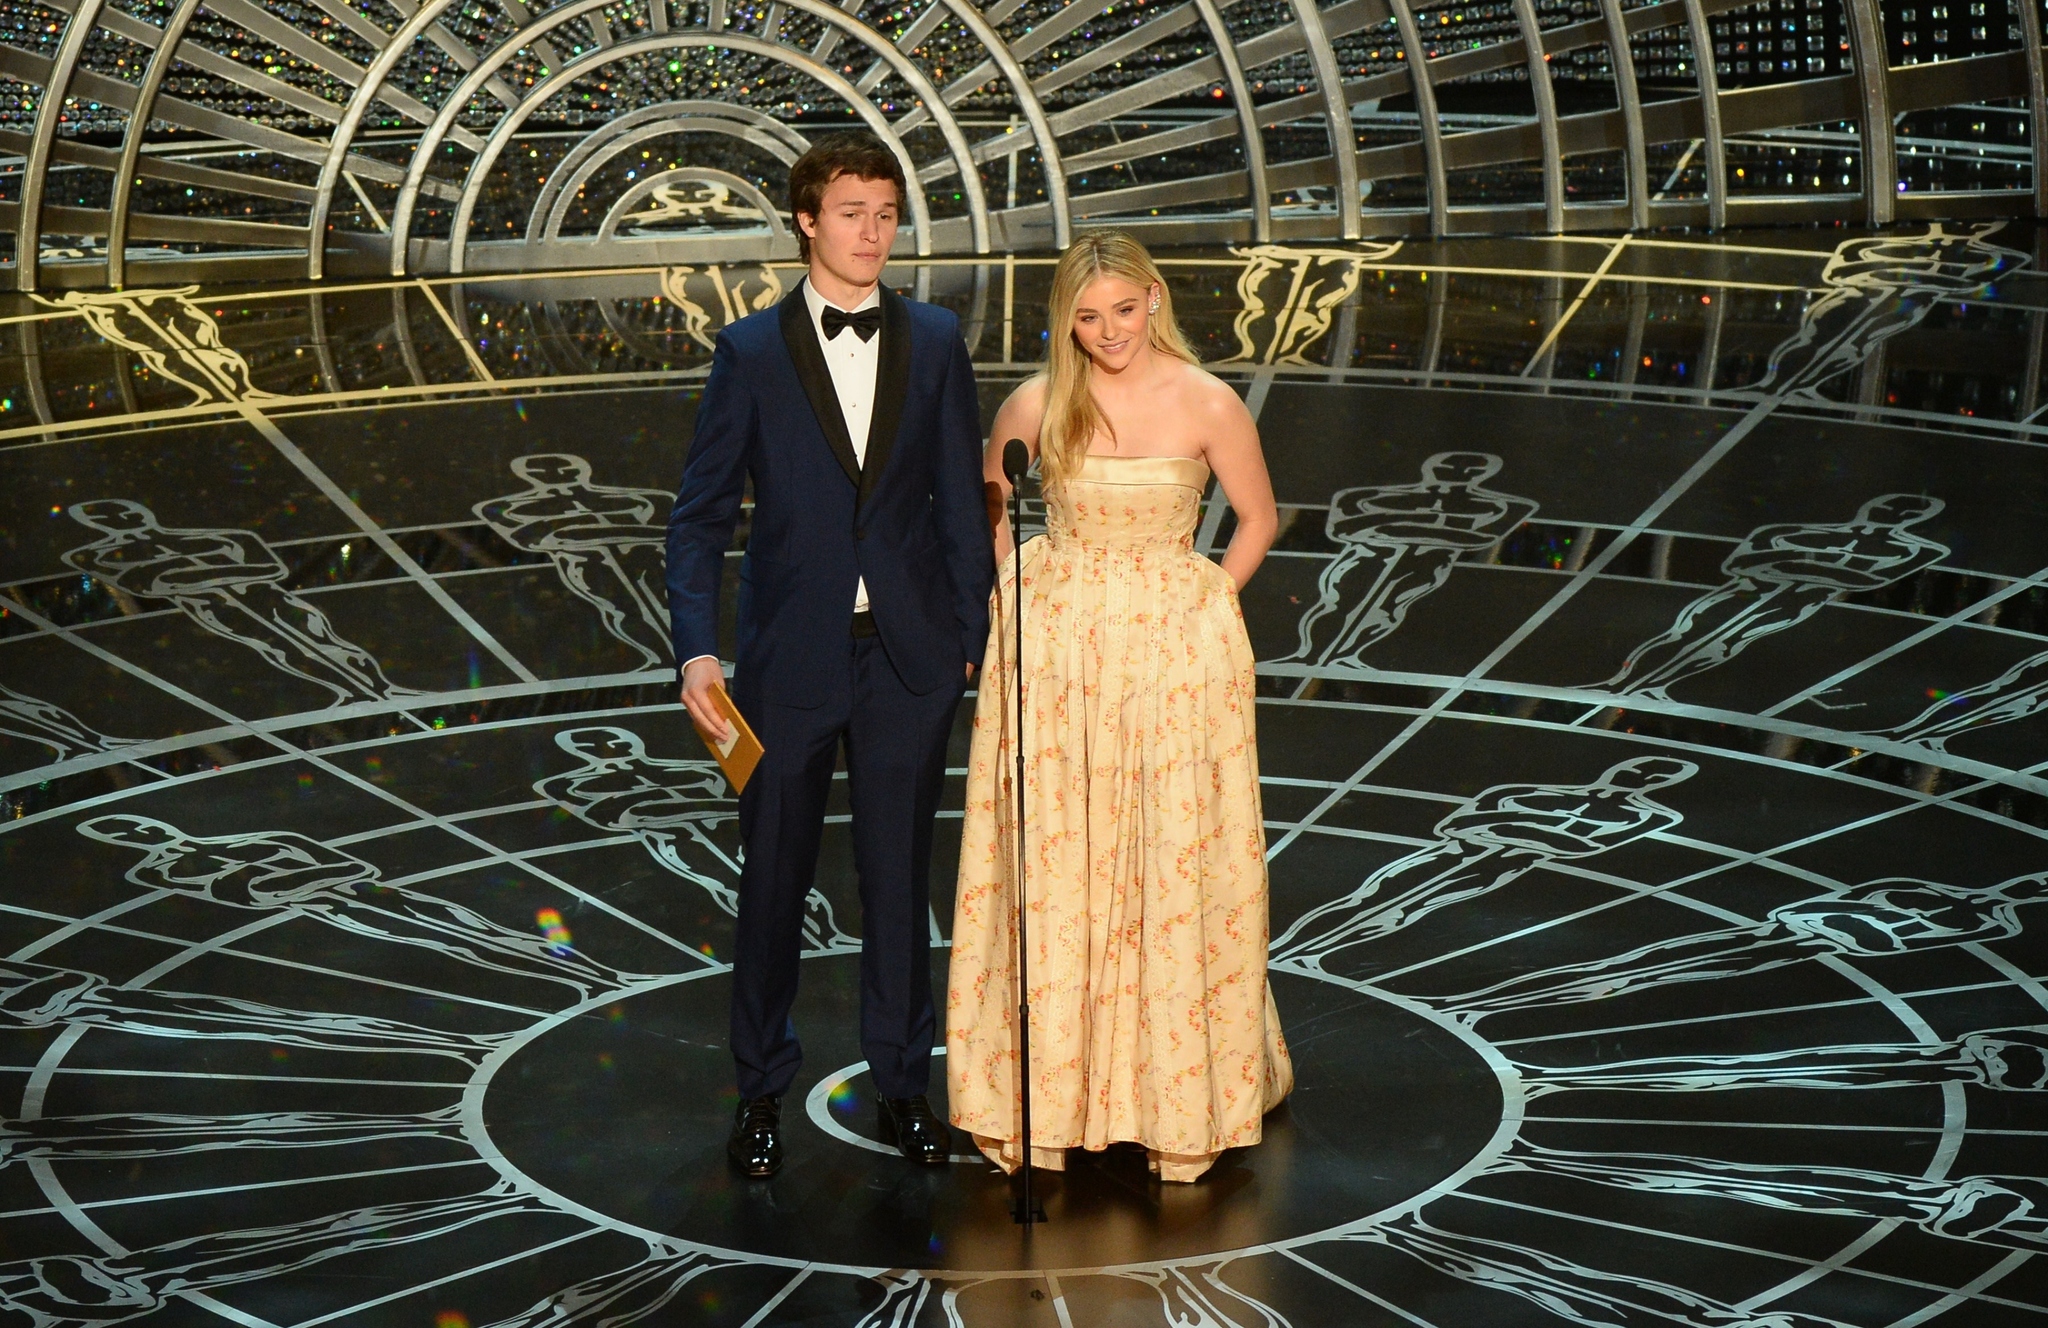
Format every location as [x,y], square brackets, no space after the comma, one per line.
[1016,461]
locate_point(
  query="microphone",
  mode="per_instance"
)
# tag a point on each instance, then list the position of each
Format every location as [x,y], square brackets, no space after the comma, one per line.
[1026,1210]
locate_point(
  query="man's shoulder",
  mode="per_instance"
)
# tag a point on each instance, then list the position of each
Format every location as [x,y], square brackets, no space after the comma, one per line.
[934,319]
[757,330]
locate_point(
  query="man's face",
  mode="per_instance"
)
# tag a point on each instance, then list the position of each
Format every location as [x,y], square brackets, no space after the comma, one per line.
[855,228]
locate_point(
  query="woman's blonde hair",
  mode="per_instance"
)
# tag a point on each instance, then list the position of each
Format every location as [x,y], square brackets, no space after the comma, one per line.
[1072,417]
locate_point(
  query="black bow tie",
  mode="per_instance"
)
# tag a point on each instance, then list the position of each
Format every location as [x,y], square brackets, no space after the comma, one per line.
[864,324]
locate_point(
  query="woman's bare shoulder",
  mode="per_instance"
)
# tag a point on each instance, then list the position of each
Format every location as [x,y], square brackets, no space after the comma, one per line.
[1028,400]
[1029,394]
[1024,409]
[1211,397]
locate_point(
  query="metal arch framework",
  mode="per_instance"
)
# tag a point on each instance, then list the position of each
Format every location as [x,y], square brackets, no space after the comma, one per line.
[131,151]
[609,53]
[1422,84]
[1873,89]
[1249,135]
[1336,115]
[629,131]
[1034,114]
[1150,82]
[352,118]
[1635,154]
[1716,143]
[1546,115]
[2037,99]
[501,136]
[686,174]
[35,174]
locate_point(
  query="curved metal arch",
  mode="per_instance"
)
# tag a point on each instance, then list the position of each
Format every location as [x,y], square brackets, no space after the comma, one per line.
[1054,170]
[1873,92]
[545,221]
[1545,97]
[501,133]
[1702,38]
[1337,112]
[2037,96]
[680,174]
[35,170]
[423,21]
[744,117]
[840,17]
[1436,180]
[1247,120]
[159,68]
[1635,150]
[477,76]
[359,102]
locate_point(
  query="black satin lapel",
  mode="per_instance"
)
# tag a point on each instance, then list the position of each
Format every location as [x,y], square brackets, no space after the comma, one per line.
[892,386]
[801,336]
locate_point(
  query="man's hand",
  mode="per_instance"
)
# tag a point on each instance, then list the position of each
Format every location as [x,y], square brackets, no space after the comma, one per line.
[970,673]
[701,677]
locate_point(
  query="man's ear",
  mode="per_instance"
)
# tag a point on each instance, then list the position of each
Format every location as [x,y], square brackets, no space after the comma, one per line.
[807,223]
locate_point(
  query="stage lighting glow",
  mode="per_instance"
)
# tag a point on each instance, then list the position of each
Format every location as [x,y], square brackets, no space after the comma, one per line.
[554,929]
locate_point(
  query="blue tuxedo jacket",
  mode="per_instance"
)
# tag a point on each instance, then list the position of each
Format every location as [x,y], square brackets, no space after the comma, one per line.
[911,520]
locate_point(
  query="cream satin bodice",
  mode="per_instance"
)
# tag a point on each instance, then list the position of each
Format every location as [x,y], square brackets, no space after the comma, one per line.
[1118,500]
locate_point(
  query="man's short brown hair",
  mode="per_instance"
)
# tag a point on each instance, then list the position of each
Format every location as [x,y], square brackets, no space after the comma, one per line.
[859,154]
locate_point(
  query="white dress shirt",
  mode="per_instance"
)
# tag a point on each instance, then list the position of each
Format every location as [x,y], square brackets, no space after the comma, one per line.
[855,366]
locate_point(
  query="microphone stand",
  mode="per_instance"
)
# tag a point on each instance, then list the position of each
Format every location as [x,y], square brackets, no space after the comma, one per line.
[1016,461]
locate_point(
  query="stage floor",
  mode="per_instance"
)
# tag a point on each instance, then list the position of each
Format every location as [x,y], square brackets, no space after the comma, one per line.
[1655,789]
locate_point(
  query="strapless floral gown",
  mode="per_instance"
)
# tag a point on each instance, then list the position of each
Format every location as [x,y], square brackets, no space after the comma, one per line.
[1151,1017]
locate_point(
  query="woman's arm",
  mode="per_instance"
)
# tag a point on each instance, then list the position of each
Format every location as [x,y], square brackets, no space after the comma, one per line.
[1231,447]
[1020,417]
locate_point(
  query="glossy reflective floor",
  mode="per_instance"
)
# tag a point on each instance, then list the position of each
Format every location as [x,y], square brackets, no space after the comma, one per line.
[1654,728]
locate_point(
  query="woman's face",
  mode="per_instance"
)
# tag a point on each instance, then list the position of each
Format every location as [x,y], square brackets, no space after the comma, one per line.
[1110,321]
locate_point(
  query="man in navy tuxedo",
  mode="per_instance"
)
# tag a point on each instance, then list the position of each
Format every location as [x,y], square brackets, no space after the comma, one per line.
[863,610]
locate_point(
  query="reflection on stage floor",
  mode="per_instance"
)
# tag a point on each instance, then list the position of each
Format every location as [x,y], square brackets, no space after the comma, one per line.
[1654,738]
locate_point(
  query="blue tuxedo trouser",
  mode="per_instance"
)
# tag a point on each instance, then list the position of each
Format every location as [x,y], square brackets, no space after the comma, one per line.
[895,744]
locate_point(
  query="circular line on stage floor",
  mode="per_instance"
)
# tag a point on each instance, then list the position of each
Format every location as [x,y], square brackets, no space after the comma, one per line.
[1683,1026]
[617,1107]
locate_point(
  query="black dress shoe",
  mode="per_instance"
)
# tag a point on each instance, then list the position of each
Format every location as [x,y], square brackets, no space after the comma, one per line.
[755,1145]
[919,1135]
